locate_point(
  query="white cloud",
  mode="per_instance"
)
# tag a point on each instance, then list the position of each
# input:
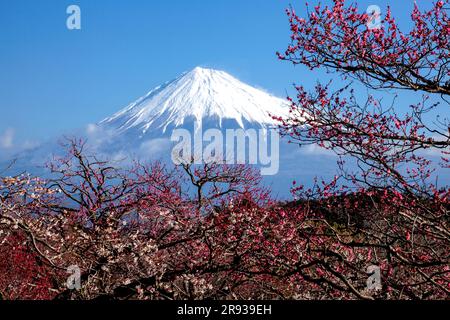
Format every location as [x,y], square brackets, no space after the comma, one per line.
[92,128]
[11,146]
[155,147]
[433,152]
[97,135]
[314,149]
[7,138]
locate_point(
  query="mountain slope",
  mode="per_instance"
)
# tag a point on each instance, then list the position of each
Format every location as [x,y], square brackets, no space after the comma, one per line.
[200,96]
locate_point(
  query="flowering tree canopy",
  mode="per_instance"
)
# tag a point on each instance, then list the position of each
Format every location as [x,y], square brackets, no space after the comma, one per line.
[212,231]
[406,212]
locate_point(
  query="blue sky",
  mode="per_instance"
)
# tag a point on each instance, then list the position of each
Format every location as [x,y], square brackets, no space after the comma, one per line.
[53,79]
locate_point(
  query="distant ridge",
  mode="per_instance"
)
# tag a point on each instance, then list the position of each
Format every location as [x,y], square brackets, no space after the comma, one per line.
[200,95]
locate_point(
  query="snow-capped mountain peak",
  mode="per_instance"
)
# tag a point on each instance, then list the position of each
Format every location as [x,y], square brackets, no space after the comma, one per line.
[195,96]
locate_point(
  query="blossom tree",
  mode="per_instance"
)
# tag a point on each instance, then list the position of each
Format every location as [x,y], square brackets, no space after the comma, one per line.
[212,231]
[404,227]
[139,232]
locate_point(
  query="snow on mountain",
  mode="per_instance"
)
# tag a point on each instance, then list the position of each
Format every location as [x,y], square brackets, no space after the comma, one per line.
[201,98]
[201,95]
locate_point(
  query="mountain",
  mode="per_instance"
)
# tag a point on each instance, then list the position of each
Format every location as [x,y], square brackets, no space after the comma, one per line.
[201,97]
